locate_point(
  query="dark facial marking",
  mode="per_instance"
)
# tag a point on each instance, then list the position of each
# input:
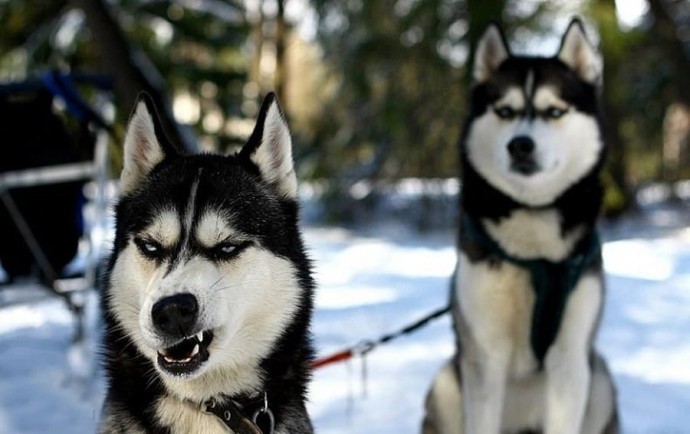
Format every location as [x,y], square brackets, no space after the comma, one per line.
[514,72]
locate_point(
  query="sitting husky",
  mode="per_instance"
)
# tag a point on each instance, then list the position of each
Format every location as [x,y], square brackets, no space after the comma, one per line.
[209,292]
[528,290]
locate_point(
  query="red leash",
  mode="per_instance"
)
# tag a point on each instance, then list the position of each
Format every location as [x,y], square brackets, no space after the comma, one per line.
[367,346]
[333,358]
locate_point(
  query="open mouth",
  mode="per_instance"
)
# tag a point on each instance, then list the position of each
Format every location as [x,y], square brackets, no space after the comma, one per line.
[186,356]
[524,167]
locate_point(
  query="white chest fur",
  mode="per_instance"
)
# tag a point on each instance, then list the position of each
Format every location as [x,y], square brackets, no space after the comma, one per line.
[184,417]
[532,234]
[496,304]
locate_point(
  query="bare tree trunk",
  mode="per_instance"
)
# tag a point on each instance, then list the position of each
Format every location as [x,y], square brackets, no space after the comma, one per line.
[480,13]
[258,41]
[618,157]
[668,40]
[676,129]
[667,30]
[280,78]
[617,164]
[131,70]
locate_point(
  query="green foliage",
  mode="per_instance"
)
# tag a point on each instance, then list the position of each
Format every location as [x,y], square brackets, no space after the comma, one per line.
[198,47]
[200,53]
[397,106]
[394,74]
[640,83]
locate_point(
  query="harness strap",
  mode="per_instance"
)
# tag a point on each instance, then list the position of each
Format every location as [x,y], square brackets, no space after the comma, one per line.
[553,282]
[236,417]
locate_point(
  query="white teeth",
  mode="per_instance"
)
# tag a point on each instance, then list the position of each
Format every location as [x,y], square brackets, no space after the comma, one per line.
[188,359]
[199,337]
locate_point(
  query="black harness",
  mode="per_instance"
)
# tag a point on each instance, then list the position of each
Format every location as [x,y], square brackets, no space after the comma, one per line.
[553,282]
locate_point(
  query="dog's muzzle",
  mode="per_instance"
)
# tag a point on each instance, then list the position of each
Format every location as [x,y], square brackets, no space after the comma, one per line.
[175,318]
[521,150]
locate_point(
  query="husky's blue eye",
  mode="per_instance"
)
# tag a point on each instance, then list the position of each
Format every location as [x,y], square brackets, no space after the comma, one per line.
[149,248]
[505,112]
[554,112]
[226,250]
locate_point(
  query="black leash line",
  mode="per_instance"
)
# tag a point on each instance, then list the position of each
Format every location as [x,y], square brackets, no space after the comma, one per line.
[365,347]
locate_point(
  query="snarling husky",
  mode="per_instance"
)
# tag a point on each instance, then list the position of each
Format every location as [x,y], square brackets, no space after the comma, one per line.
[209,294]
[528,290]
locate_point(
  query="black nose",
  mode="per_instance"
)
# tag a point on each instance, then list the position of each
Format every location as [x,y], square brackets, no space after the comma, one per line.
[521,147]
[175,315]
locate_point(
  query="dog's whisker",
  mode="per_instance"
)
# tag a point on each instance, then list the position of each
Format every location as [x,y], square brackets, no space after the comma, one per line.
[222,288]
[219,280]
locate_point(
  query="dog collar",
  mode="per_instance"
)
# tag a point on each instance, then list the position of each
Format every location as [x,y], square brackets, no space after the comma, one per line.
[553,282]
[238,417]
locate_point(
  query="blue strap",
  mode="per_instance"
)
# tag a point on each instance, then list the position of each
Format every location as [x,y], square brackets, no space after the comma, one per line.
[63,87]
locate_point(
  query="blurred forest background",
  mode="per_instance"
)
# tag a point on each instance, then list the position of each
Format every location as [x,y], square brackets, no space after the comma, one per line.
[374,90]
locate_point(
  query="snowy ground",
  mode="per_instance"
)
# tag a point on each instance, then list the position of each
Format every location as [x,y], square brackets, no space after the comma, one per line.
[376,281]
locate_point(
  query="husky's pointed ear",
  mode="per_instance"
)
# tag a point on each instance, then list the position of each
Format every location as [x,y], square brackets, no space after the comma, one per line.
[270,149]
[579,54]
[143,149]
[491,51]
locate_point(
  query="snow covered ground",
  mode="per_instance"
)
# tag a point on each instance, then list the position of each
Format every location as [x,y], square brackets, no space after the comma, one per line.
[375,281]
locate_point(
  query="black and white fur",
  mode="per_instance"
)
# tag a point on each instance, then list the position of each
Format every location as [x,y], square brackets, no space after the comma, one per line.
[531,151]
[209,289]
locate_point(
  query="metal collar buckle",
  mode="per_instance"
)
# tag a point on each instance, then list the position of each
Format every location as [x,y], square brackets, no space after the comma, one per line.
[265,411]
